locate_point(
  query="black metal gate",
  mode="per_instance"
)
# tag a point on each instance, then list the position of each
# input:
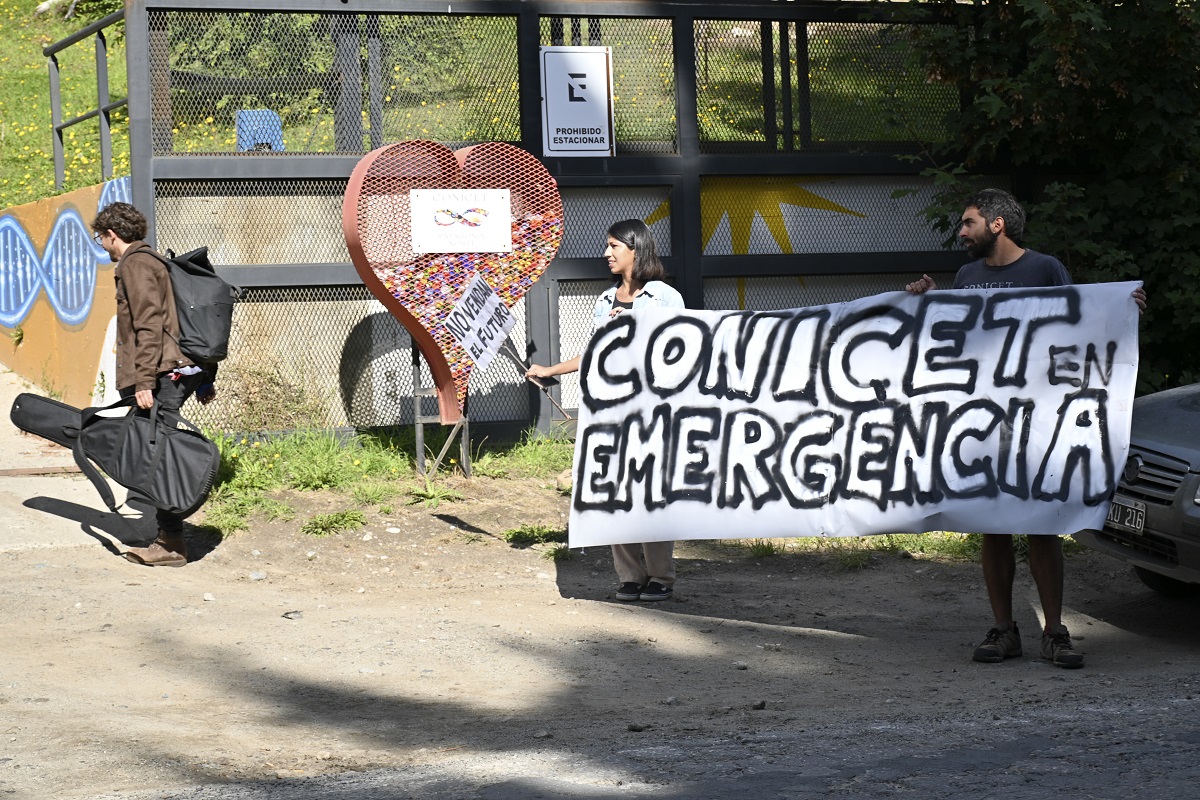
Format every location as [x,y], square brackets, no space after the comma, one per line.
[763,140]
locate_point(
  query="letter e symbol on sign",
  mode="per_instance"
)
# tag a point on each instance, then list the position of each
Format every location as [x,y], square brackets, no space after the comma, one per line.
[576,82]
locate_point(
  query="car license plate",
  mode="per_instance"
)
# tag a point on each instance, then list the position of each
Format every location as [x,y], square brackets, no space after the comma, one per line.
[1126,515]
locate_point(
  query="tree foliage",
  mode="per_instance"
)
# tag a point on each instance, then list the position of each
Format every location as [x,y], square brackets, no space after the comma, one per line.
[1093,108]
[92,10]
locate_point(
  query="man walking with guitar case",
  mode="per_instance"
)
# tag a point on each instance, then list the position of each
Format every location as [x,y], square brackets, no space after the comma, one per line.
[150,364]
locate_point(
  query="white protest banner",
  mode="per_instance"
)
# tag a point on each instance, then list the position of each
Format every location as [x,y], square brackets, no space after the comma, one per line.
[982,411]
[480,322]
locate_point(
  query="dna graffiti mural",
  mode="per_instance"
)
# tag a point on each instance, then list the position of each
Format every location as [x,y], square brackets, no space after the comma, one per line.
[65,270]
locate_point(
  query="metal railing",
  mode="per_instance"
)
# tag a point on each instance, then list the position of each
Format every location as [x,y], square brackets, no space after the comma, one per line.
[104,107]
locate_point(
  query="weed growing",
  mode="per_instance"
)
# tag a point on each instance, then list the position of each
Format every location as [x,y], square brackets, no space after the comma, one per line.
[432,494]
[304,461]
[533,534]
[329,524]
[538,455]
[559,553]
[764,548]
[857,552]
[951,546]
[845,556]
[229,511]
[373,492]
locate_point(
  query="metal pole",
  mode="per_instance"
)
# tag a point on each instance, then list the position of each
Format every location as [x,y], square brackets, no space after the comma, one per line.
[464,442]
[106,169]
[803,86]
[770,120]
[686,245]
[785,81]
[375,80]
[55,121]
[347,115]
[419,434]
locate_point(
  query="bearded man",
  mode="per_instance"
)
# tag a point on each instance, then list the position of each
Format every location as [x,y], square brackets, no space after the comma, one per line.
[992,228]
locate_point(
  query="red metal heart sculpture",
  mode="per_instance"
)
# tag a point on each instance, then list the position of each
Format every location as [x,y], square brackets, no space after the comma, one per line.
[422,289]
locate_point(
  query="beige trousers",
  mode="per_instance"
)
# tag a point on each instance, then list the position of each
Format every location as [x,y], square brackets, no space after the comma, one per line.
[643,563]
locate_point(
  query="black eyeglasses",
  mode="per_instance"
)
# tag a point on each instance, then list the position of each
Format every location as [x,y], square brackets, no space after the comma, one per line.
[98,238]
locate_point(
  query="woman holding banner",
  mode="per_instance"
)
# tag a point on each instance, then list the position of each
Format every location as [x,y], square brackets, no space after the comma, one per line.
[646,571]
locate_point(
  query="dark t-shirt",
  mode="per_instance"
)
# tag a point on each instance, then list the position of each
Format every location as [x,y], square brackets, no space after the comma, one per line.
[1031,270]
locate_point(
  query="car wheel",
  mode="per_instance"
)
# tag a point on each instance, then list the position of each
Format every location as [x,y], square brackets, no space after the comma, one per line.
[1169,587]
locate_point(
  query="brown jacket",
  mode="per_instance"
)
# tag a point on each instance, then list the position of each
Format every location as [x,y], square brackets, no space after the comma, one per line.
[147,323]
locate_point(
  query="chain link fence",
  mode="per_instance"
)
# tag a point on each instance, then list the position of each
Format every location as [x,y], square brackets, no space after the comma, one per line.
[320,83]
[643,75]
[228,82]
[248,222]
[330,83]
[588,213]
[334,357]
[820,87]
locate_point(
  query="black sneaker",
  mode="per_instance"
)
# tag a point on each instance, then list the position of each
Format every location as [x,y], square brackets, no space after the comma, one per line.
[1058,649]
[629,591]
[998,645]
[656,591]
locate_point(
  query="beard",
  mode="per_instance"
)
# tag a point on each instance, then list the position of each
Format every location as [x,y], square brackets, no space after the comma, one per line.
[983,246]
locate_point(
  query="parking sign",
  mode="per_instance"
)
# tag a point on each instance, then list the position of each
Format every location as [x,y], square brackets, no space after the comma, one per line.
[577,108]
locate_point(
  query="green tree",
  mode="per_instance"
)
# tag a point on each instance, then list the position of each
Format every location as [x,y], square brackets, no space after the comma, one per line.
[1093,108]
[92,10]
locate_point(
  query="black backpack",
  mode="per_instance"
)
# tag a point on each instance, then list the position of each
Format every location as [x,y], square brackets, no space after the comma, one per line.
[204,304]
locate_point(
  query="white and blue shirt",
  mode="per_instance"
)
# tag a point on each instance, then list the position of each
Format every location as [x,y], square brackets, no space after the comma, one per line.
[654,293]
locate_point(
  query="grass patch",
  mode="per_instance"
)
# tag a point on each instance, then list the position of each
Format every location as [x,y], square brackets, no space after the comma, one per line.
[26,141]
[367,467]
[432,494]
[537,455]
[230,512]
[559,553]
[329,524]
[763,548]
[848,557]
[534,534]
[489,465]
[949,546]
[373,493]
[319,461]
[274,510]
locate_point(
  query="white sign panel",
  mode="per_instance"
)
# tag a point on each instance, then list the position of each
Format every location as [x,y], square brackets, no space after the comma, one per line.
[981,411]
[577,108]
[480,322]
[461,220]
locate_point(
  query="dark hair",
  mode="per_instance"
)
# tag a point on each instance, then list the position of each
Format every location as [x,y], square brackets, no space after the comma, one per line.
[634,234]
[997,203]
[122,219]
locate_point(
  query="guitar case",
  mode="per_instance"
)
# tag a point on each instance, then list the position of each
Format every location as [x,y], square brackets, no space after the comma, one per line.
[165,459]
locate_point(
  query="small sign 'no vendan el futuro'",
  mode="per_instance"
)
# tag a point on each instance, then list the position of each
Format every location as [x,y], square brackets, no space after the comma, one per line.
[480,322]
[577,107]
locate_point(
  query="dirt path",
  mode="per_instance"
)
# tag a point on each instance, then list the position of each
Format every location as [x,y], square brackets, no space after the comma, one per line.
[422,655]
[424,640]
